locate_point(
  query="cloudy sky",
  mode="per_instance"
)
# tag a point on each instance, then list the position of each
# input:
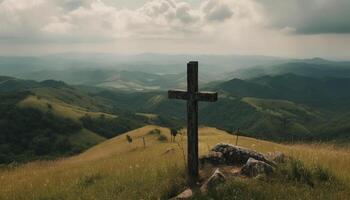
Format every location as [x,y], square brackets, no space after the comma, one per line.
[288,28]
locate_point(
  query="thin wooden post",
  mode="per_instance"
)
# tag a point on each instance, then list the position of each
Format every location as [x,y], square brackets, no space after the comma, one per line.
[237,134]
[192,122]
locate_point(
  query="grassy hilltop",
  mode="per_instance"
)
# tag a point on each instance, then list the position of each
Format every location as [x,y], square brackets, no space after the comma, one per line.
[116,169]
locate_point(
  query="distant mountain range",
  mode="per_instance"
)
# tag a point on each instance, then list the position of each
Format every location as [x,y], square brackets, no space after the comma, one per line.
[68,110]
[315,67]
[160,72]
[140,72]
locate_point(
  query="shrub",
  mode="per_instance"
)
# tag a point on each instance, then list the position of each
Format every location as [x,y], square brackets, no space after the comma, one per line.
[162,138]
[295,170]
[322,174]
[154,132]
[49,106]
[128,138]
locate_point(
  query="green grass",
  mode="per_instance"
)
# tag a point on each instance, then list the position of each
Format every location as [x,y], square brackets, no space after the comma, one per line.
[279,107]
[116,169]
[60,109]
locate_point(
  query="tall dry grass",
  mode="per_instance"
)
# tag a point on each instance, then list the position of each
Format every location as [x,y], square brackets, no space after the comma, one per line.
[116,169]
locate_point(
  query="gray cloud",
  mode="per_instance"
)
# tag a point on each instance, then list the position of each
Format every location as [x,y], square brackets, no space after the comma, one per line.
[72,4]
[171,10]
[215,10]
[309,17]
[95,20]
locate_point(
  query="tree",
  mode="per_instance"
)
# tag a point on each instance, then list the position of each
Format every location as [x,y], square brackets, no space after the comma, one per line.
[129,139]
[173,133]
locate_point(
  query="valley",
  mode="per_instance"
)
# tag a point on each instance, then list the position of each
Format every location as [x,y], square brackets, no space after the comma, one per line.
[290,107]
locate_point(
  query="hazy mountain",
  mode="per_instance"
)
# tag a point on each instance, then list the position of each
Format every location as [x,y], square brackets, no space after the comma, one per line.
[315,67]
[213,67]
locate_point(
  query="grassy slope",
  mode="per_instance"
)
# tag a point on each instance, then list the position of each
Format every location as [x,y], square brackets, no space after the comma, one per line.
[115,169]
[295,114]
[82,139]
[60,109]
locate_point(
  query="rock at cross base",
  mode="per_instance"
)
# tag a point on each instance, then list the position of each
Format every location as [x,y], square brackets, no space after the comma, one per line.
[217,178]
[227,154]
[213,157]
[255,167]
[187,194]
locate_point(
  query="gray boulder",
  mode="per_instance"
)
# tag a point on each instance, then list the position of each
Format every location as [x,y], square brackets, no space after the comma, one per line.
[213,157]
[187,194]
[255,167]
[227,154]
[217,178]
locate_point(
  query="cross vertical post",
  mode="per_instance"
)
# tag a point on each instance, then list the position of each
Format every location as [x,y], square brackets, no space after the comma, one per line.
[192,122]
[192,96]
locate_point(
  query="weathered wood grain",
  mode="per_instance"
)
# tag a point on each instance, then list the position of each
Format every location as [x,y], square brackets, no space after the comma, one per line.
[192,96]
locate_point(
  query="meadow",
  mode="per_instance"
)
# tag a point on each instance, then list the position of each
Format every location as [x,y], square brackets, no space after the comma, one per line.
[117,169]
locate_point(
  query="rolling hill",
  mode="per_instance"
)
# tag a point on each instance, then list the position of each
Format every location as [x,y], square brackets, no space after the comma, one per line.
[231,112]
[284,107]
[45,120]
[287,107]
[116,169]
[323,92]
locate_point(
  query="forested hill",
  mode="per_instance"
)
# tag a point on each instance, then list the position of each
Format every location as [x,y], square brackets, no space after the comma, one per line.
[51,118]
[323,92]
[284,107]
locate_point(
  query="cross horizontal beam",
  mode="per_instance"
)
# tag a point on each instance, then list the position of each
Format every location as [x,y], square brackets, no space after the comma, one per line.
[178,94]
[199,96]
[207,96]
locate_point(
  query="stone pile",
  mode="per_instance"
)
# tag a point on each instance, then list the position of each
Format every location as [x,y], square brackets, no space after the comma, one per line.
[251,164]
[227,154]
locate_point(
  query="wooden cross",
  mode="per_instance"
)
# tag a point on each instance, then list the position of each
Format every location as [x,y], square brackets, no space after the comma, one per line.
[192,96]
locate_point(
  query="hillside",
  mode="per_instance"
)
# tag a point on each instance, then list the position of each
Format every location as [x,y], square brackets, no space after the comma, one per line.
[286,107]
[49,119]
[282,108]
[255,117]
[322,92]
[116,169]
